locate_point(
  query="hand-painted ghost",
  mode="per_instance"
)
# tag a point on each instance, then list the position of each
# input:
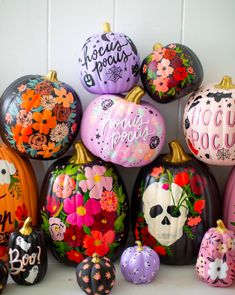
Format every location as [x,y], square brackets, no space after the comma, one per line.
[32,274]
[22,244]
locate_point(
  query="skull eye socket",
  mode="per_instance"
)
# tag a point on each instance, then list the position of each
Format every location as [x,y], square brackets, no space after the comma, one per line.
[155,211]
[173,211]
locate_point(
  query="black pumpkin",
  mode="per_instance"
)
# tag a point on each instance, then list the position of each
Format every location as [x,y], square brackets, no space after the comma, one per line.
[27,255]
[96,275]
[175,201]
[3,274]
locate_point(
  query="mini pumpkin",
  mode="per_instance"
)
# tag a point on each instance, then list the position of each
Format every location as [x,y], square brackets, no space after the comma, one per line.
[109,63]
[175,201]
[18,195]
[216,259]
[27,255]
[209,122]
[139,264]
[85,208]
[3,274]
[125,131]
[171,72]
[229,201]
[40,116]
[96,275]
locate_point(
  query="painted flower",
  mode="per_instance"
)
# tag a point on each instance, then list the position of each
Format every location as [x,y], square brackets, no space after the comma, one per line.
[21,88]
[4,253]
[4,239]
[62,114]
[44,121]
[44,88]
[152,66]
[20,148]
[160,250]
[74,127]
[180,74]
[21,212]
[147,238]
[217,269]
[21,134]
[57,229]
[181,178]
[30,100]
[222,248]
[145,68]
[169,53]
[104,221]
[59,132]
[172,46]
[48,102]
[74,256]
[163,68]
[139,150]
[190,70]
[6,170]
[158,54]
[8,118]
[63,97]
[198,184]
[121,152]
[229,243]
[97,276]
[199,205]
[98,243]
[24,118]
[86,279]
[37,140]
[161,84]
[79,213]
[172,83]
[165,186]
[109,201]
[193,221]
[96,181]
[52,205]
[63,186]
[74,236]
[157,171]
[49,150]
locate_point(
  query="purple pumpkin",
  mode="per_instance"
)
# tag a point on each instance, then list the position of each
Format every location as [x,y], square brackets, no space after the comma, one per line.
[109,63]
[229,201]
[139,264]
[123,131]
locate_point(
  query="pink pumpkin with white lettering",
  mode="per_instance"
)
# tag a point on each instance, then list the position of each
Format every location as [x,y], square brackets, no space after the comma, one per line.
[216,259]
[209,123]
[229,201]
[122,130]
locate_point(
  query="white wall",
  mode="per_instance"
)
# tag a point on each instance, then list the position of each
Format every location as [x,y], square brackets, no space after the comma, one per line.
[38,35]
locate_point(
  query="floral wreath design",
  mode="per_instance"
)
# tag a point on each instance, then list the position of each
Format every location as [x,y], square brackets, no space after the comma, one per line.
[42,120]
[193,186]
[85,213]
[168,70]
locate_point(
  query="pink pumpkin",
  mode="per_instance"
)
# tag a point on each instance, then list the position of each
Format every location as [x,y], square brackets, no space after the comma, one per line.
[209,123]
[216,259]
[229,202]
[123,131]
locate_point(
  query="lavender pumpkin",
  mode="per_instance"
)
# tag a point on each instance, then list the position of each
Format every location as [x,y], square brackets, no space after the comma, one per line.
[109,63]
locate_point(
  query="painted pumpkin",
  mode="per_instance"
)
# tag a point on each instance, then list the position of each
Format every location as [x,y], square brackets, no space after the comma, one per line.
[109,63]
[171,72]
[216,259]
[139,264]
[175,201]
[96,275]
[27,255]
[40,116]
[229,201]
[123,131]
[209,123]
[85,208]
[3,275]
[18,195]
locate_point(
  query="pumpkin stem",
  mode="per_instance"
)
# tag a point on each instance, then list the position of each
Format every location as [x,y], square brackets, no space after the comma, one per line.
[177,153]
[221,226]
[106,28]
[135,95]
[139,244]
[226,83]
[95,258]
[157,46]
[52,76]
[26,229]
[81,154]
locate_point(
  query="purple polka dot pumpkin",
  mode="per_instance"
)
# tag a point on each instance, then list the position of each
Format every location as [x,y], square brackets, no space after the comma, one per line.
[139,264]
[109,63]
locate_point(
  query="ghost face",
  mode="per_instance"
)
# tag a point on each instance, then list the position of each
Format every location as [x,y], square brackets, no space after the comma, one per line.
[165,221]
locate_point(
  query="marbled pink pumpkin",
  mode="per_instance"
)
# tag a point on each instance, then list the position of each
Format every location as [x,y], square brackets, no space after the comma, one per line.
[109,63]
[209,123]
[216,259]
[123,131]
[229,201]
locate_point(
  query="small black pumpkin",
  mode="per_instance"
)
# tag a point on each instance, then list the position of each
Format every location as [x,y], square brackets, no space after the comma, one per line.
[27,255]
[96,275]
[3,275]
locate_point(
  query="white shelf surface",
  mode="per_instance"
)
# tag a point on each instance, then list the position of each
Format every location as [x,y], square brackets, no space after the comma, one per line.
[60,280]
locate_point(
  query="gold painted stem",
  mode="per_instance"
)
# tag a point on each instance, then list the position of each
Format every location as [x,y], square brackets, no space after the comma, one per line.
[221,226]
[81,154]
[177,153]
[26,229]
[226,83]
[95,258]
[157,46]
[106,28]
[135,95]
[52,76]
[139,244]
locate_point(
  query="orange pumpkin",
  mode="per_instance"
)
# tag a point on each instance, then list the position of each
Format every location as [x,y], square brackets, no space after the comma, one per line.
[18,195]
